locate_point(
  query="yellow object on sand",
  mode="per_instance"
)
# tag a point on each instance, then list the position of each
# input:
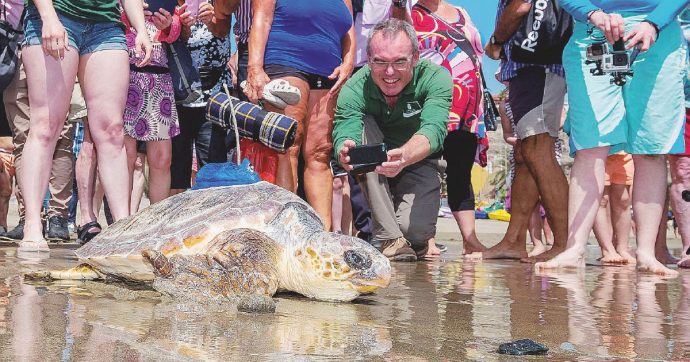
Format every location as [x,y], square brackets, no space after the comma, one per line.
[499,215]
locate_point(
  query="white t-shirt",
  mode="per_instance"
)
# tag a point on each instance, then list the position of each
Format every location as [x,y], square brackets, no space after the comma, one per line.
[373,12]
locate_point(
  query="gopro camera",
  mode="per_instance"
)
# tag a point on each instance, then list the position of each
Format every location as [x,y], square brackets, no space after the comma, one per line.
[611,60]
[365,158]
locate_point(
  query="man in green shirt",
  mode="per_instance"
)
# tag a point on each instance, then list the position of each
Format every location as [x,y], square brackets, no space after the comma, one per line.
[404,103]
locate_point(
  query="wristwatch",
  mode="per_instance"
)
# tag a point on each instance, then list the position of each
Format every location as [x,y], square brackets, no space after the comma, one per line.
[493,41]
[400,3]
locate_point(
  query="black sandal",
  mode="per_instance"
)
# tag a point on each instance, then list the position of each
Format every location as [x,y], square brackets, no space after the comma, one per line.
[84,235]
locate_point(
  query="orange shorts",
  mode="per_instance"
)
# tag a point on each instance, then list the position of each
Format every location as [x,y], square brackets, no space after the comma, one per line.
[619,169]
[7,162]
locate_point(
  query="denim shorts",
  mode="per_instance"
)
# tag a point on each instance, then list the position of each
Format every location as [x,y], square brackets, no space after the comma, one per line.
[86,37]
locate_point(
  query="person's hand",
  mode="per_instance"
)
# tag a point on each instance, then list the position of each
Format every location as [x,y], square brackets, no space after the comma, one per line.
[142,48]
[344,158]
[511,140]
[395,163]
[493,51]
[256,80]
[612,25]
[54,39]
[186,18]
[205,14]
[147,12]
[343,73]
[162,19]
[644,33]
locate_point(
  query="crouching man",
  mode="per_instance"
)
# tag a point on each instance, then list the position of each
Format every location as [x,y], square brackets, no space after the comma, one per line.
[402,102]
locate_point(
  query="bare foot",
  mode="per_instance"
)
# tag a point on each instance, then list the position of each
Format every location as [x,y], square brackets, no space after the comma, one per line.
[570,258]
[665,257]
[502,250]
[648,263]
[473,247]
[547,255]
[612,258]
[537,249]
[432,251]
[629,258]
[684,262]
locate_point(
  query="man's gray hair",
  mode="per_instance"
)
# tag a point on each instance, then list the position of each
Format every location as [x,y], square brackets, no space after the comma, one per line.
[390,28]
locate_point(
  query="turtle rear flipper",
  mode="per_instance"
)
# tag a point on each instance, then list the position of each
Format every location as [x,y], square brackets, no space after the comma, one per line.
[80,272]
[239,264]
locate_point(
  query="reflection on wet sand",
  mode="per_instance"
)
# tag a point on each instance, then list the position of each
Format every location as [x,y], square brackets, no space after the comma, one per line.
[440,310]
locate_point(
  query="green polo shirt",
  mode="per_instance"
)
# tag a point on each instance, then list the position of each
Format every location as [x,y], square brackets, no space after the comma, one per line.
[88,10]
[422,108]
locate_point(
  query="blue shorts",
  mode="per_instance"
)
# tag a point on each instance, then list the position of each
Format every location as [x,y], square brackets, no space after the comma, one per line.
[646,115]
[86,37]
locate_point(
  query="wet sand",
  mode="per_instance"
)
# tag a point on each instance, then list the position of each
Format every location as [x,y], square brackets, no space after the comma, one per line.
[446,309]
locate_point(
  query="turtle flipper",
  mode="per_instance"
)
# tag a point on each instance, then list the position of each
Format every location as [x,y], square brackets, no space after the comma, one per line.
[239,264]
[80,272]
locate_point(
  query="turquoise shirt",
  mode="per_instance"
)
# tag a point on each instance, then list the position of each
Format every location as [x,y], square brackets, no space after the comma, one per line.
[684,20]
[660,12]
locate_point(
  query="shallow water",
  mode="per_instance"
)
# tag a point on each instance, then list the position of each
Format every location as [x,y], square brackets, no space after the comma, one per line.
[440,310]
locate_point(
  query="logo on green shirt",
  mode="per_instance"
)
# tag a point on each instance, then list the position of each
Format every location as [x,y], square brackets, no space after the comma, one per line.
[411,109]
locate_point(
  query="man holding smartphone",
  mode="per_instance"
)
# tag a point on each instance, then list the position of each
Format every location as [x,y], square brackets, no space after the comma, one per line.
[404,103]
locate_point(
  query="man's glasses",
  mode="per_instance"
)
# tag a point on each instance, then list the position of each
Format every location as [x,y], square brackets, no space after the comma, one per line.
[400,64]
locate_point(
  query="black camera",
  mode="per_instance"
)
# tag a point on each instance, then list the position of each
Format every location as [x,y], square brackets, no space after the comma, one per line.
[365,158]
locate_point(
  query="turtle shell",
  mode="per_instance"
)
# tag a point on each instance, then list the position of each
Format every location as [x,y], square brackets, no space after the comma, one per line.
[184,224]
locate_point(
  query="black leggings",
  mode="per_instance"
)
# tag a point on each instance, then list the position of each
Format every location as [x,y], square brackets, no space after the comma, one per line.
[459,151]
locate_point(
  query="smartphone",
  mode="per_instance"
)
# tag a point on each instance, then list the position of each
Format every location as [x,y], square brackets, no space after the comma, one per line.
[155,5]
[193,7]
[368,154]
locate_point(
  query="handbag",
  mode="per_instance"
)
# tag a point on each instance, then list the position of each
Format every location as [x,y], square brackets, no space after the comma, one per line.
[9,49]
[185,78]
[543,34]
[491,115]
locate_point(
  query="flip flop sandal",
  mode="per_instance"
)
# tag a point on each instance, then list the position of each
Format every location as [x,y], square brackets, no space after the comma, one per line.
[84,233]
[282,89]
[33,246]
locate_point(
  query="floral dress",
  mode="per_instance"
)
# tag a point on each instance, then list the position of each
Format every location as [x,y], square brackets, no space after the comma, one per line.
[437,43]
[150,113]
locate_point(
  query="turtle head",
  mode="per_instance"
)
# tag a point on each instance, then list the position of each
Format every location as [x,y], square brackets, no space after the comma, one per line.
[341,267]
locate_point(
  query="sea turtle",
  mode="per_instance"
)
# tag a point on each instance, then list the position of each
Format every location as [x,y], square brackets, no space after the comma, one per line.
[233,241]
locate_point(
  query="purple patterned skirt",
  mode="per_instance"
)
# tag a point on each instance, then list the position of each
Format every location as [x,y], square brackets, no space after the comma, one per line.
[150,113]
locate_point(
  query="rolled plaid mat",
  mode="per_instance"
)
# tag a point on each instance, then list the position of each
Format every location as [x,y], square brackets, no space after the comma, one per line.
[274,130]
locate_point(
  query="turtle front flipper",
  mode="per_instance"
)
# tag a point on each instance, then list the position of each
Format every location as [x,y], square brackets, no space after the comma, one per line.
[80,272]
[239,264]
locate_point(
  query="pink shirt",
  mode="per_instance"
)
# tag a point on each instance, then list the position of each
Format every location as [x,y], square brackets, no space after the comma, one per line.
[14,10]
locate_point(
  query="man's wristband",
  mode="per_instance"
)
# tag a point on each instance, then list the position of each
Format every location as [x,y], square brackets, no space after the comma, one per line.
[401,4]
[656,27]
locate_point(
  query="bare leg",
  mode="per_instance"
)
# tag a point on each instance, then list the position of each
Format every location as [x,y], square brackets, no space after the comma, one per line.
[680,181]
[105,102]
[159,155]
[317,152]
[50,83]
[346,219]
[337,206]
[648,201]
[661,252]
[538,153]
[524,198]
[603,231]
[621,219]
[586,189]
[432,251]
[548,233]
[5,184]
[85,173]
[466,223]
[535,232]
[138,182]
[286,174]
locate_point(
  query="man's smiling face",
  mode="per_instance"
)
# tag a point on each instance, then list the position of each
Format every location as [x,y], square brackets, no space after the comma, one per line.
[392,61]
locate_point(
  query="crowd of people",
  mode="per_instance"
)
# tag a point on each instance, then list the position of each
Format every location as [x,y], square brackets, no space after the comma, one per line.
[95,99]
